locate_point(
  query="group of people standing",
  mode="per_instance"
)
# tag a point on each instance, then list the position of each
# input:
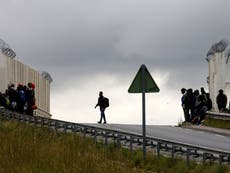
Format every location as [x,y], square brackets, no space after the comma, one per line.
[21,99]
[195,104]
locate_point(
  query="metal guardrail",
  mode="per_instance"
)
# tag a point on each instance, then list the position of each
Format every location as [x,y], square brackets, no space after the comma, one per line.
[122,138]
[218,115]
[41,113]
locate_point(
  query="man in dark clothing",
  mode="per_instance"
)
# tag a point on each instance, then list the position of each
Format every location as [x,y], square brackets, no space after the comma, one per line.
[30,99]
[2,100]
[203,93]
[101,104]
[21,98]
[13,95]
[221,101]
[209,101]
[184,104]
[190,104]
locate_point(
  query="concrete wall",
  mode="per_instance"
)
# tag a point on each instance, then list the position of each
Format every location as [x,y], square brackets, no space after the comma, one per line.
[219,75]
[13,71]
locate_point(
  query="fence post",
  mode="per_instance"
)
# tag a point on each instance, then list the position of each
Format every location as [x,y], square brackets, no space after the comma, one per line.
[65,126]
[118,139]
[187,156]
[95,135]
[158,149]
[42,123]
[173,151]
[204,158]
[56,126]
[220,159]
[85,132]
[106,138]
[131,144]
[74,129]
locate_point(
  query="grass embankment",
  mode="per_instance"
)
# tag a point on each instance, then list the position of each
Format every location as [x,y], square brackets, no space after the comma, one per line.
[28,149]
[224,124]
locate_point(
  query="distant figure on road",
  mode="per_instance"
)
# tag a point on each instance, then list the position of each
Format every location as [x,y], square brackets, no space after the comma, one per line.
[103,102]
[221,101]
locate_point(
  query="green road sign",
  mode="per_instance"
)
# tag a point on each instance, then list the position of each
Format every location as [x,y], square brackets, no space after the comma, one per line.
[143,83]
[149,84]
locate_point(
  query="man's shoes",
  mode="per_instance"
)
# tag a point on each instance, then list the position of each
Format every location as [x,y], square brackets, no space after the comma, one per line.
[104,123]
[99,122]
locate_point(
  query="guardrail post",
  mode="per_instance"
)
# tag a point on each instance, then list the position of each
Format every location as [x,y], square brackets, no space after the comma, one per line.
[18,118]
[187,156]
[56,126]
[158,149]
[25,117]
[35,120]
[220,159]
[131,144]
[106,138]
[7,116]
[2,116]
[204,158]
[29,119]
[42,123]
[74,129]
[118,139]
[84,131]
[95,135]
[173,151]
[49,123]
[65,126]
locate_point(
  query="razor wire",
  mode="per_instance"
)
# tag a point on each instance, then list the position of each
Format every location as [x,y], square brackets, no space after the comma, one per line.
[6,50]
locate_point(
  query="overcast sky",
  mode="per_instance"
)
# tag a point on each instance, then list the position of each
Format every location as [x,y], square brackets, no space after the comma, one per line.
[93,45]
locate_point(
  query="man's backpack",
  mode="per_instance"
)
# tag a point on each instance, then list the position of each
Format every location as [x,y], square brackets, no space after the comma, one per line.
[106,102]
[22,96]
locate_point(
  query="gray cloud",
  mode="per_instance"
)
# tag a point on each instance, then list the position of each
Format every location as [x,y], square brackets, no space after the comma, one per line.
[74,40]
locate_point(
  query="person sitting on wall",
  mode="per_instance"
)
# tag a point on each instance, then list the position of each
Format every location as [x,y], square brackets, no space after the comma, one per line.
[221,101]
[201,110]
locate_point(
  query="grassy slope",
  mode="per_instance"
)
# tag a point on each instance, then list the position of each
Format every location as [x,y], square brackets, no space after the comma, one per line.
[25,149]
[224,124]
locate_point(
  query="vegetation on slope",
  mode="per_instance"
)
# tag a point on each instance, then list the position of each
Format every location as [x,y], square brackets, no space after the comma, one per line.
[211,122]
[29,149]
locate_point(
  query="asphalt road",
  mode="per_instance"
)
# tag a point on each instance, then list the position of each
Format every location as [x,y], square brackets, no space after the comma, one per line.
[177,134]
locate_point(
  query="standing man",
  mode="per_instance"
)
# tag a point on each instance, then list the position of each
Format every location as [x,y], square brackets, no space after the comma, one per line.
[102,103]
[184,104]
[221,101]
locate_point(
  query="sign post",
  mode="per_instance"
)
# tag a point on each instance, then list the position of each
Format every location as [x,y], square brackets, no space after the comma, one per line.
[143,109]
[142,83]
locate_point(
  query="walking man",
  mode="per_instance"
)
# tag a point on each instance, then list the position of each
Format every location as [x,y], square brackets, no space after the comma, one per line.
[102,103]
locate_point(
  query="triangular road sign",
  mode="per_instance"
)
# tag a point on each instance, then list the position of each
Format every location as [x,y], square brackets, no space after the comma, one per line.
[149,84]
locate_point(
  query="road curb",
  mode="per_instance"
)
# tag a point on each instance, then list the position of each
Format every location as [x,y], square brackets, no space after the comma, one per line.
[219,131]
